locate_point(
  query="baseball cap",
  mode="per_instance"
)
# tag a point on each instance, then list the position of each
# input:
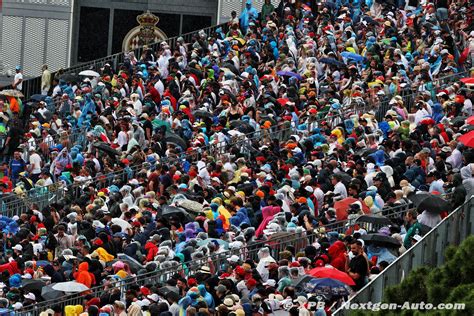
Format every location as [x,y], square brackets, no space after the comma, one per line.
[18,247]
[30,296]
[234,259]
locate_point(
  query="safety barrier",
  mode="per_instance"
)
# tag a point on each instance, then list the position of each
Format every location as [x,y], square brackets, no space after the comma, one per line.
[12,204]
[217,261]
[429,251]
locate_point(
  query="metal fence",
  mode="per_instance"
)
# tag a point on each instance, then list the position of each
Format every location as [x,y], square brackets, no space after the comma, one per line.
[409,97]
[33,86]
[429,251]
[216,261]
[14,204]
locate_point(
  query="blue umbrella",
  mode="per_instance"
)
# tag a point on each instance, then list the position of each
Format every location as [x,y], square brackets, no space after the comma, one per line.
[327,287]
[290,74]
[332,61]
[356,57]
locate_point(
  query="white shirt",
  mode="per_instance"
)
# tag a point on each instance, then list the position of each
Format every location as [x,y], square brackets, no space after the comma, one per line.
[340,189]
[18,77]
[35,162]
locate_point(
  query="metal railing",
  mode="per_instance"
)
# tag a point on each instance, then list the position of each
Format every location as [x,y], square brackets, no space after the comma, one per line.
[215,261]
[33,86]
[12,204]
[452,230]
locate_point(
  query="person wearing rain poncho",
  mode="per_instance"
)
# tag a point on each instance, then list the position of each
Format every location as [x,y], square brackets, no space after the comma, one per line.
[249,14]
[62,161]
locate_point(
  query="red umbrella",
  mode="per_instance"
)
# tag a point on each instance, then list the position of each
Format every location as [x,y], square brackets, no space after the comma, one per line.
[282,101]
[468,81]
[470,120]
[331,273]
[467,139]
[343,206]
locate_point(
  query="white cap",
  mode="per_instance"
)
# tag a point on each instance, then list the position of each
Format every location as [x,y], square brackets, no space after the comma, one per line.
[233,258]
[270,282]
[216,179]
[309,188]
[18,247]
[17,306]
[154,297]
[417,237]
[30,296]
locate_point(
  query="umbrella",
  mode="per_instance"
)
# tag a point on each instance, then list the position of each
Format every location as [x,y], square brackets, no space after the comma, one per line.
[12,93]
[70,78]
[169,211]
[107,149]
[221,242]
[343,206]
[38,97]
[189,205]
[230,94]
[380,240]
[242,126]
[48,293]
[89,73]
[332,61]
[202,114]
[172,138]
[332,273]
[459,120]
[163,291]
[434,204]
[365,152]
[356,57]
[468,81]
[416,198]
[376,220]
[290,74]
[282,101]
[231,67]
[30,285]
[122,223]
[132,263]
[467,139]
[327,287]
[70,287]
[470,120]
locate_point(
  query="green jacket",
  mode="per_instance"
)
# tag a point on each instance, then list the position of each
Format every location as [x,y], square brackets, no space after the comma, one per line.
[412,231]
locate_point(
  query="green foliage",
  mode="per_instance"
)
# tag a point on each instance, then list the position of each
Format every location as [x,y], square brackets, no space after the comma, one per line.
[453,282]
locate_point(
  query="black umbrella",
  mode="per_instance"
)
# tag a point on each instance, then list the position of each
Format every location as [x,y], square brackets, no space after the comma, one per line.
[173,211]
[38,97]
[196,72]
[202,114]
[376,220]
[172,138]
[459,120]
[369,20]
[48,293]
[107,149]
[231,67]
[365,152]
[417,198]
[380,240]
[265,117]
[70,78]
[32,285]
[242,126]
[434,204]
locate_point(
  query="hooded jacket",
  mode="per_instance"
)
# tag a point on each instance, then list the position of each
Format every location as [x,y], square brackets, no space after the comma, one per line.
[84,276]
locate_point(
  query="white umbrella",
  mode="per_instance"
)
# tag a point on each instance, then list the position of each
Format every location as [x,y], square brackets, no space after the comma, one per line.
[122,223]
[70,287]
[89,73]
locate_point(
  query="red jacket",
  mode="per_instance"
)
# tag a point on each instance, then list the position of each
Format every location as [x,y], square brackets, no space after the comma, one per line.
[152,251]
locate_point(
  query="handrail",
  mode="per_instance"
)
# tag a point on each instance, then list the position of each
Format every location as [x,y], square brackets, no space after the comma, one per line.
[299,240]
[428,251]
[44,196]
[33,85]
